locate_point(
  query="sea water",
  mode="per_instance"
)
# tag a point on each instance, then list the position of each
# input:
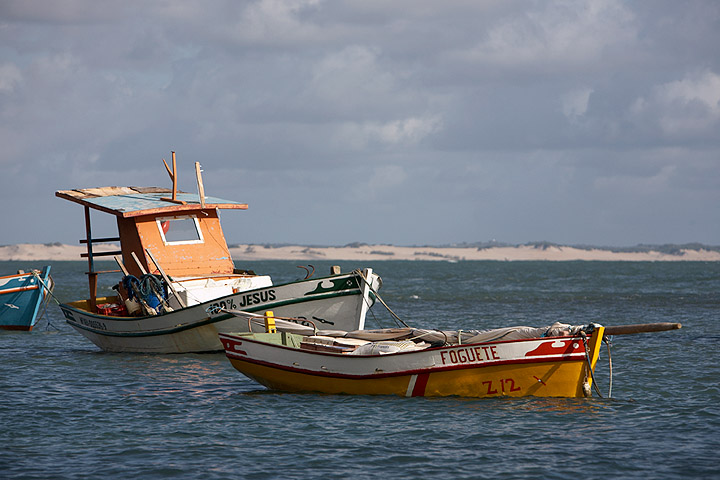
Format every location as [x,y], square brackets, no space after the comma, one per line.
[69,410]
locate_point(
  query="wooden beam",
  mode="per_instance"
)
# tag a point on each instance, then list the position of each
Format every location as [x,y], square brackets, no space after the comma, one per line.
[102,240]
[102,254]
[92,276]
[173,176]
[641,328]
[201,188]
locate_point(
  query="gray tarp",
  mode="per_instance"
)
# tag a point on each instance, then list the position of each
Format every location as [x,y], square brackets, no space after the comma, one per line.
[434,337]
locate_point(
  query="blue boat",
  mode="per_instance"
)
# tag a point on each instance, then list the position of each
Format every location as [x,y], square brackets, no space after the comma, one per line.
[21,297]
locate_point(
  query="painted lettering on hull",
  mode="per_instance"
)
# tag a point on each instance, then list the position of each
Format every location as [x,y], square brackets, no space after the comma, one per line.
[242,301]
[89,322]
[469,355]
[502,386]
[256,298]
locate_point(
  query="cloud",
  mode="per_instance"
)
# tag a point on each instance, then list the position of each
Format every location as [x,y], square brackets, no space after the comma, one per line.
[558,34]
[575,103]
[395,133]
[501,112]
[10,78]
[685,108]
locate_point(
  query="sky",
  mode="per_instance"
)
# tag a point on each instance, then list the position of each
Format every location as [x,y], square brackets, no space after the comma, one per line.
[411,122]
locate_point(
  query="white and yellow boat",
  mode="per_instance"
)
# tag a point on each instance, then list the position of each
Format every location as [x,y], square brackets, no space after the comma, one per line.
[554,361]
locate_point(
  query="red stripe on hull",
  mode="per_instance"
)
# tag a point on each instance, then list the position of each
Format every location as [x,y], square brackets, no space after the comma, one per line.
[420,384]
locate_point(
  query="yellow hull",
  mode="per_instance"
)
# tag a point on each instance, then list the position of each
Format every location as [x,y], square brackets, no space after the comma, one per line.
[542,380]
[556,378]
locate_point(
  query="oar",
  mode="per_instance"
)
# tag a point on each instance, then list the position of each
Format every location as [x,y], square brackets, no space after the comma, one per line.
[137,262]
[641,328]
[121,265]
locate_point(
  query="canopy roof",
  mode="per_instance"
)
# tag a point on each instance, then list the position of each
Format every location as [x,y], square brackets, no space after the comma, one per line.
[136,201]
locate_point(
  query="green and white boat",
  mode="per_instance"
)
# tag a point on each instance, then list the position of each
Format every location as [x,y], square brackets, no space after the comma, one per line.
[178,277]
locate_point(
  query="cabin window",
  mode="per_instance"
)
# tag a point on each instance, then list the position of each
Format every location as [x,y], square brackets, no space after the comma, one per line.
[180,230]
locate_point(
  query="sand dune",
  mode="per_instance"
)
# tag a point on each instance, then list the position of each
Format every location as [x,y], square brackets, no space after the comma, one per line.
[37,252]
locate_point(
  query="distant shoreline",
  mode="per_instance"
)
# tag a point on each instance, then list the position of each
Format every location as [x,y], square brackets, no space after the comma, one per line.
[363,252]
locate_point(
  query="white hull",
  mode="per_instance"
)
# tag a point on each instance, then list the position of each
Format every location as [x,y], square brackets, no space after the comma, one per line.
[338,302]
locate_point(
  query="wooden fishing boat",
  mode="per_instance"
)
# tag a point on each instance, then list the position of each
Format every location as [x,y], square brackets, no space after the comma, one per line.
[554,361]
[22,296]
[178,273]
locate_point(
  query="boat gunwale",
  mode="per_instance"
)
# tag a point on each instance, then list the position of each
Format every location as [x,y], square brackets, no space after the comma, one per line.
[17,275]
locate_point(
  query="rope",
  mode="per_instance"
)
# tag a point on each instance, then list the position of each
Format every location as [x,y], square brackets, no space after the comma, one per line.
[583,335]
[49,289]
[607,342]
[47,298]
[377,295]
[151,285]
[144,289]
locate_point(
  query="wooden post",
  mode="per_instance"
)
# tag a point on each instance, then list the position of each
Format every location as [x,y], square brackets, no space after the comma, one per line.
[92,274]
[173,177]
[641,328]
[201,188]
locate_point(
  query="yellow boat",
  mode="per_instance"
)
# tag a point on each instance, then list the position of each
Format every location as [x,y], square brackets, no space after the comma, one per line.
[554,361]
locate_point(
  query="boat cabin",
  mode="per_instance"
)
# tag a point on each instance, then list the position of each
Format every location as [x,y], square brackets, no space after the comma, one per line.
[160,231]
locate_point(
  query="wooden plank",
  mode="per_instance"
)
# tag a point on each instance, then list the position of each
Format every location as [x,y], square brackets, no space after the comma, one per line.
[154,190]
[101,240]
[173,200]
[137,262]
[201,187]
[121,265]
[194,207]
[102,254]
[107,191]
